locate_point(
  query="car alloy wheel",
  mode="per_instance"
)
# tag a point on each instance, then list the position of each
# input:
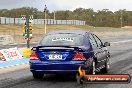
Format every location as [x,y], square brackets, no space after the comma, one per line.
[94,69]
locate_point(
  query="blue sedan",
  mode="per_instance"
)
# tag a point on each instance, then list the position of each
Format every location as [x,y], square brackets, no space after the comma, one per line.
[63,52]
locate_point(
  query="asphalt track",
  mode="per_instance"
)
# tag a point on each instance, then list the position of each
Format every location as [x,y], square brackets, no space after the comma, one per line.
[121,63]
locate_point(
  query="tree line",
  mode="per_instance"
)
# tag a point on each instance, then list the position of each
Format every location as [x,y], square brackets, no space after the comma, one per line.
[100,18]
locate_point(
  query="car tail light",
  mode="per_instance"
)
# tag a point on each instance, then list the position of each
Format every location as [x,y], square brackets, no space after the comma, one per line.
[79,56]
[34,56]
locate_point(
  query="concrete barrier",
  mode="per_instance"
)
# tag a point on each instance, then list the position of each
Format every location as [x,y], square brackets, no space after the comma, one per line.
[12,56]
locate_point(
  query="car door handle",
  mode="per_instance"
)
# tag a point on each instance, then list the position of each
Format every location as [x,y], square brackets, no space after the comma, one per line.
[100,47]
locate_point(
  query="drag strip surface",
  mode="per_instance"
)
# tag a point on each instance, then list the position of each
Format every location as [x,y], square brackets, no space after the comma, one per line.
[121,62]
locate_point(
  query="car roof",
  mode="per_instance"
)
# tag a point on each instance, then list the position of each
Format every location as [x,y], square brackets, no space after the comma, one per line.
[79,32]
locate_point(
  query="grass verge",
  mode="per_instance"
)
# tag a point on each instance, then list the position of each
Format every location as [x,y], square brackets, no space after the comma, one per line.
[17,30]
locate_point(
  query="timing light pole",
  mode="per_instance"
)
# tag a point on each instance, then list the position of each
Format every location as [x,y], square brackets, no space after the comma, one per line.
[45,9]
[27,28]
[27,23]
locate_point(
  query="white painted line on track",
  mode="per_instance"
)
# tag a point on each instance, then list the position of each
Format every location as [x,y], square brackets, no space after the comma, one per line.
[119,42]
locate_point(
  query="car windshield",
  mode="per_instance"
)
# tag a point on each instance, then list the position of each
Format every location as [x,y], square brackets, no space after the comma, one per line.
[62,40]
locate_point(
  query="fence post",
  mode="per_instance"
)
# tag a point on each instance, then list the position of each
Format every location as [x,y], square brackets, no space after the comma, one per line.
[34,21]
[5,20]
[61,22]
[37,21]
[14,21]
[40,21]
[56,22]
[50,21]
[9,21]
[44,21]
[0,20]
[18,20]
[66,21]
[47,21]
[53,22]
[76,22]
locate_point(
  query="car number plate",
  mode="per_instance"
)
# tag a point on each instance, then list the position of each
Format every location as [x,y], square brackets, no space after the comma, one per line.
[55,57]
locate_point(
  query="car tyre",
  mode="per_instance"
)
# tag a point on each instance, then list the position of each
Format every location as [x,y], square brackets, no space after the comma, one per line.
[107,66]
[80,79]
[37,75]
[93,70]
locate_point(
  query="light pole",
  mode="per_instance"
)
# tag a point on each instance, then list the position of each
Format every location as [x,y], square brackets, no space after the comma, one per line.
[121,18]
[54,18]
[45,9]
[94,20]
[54,15]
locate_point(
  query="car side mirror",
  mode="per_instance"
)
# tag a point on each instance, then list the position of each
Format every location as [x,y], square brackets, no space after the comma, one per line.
[106,44]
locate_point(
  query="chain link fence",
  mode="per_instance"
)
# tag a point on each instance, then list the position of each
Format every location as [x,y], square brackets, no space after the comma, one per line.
[15,32]
[17,36]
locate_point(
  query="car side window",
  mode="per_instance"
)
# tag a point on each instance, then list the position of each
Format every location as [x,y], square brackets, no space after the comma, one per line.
[92,41]
[98,41]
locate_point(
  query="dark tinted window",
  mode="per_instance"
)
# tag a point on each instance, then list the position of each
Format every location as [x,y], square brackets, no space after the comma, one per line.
[92,41]
[63,40]
[98,41]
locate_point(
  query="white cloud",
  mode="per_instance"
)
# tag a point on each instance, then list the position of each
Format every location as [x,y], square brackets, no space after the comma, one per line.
[69,4]
[95,4]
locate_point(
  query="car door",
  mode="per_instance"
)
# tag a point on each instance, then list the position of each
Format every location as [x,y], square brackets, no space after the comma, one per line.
[102,51]
[94,45]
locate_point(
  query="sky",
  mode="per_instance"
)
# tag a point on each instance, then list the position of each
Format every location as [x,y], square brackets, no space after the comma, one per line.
[54,5]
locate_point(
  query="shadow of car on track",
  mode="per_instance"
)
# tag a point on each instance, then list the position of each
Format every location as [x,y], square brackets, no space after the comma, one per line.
[58,78]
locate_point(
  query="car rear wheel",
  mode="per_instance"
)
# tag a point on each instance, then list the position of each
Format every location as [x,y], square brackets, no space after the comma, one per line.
[37,75]
[93,69]
[80,79]
[107,66]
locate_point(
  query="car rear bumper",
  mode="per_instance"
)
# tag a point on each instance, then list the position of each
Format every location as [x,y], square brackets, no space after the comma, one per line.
[50,67]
